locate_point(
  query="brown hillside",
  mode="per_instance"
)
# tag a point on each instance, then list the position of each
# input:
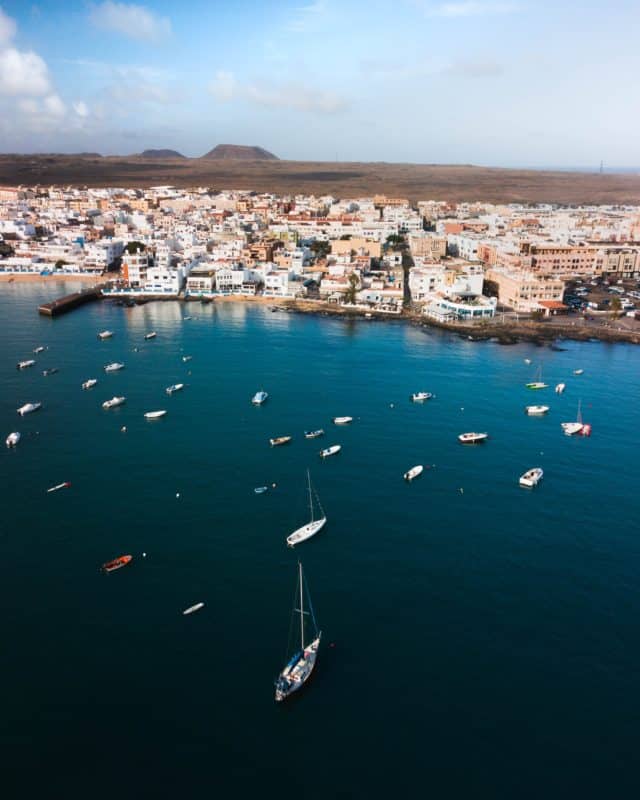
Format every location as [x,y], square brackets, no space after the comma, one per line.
[239,152]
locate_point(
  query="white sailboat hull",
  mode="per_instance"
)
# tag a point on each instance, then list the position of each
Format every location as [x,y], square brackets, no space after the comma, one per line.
[533,411]
[298,671]
[306,531]
[571,428]
[155,414]
[413,472]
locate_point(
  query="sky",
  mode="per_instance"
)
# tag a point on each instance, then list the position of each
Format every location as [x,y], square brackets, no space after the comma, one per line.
[495,82]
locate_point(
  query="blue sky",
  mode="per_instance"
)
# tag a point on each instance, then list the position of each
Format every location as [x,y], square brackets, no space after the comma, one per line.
[499,82]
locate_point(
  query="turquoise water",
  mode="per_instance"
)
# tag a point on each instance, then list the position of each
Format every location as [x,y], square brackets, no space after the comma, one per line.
[479,639]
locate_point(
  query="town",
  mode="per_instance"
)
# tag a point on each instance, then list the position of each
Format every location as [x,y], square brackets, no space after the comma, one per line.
[447,262]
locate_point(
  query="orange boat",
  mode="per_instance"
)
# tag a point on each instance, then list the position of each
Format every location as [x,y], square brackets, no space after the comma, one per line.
[121,561]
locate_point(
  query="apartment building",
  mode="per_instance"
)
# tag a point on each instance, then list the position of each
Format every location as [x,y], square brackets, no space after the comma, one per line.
[525,291]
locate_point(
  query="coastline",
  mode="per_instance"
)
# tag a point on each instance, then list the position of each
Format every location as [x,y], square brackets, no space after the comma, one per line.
[34,278]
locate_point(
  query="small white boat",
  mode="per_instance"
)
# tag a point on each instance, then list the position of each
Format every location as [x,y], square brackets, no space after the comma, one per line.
[527,361]
[12,439]
[176,387]
[578,371]
[24,364]
[342,420]
[413,472]
[531,477]
[29,408]
[186,358]
[65,485]
[330,451]
[560,388]
[150,335]
[114,402]
[420,397]
[538,383]
[191,609]
[114,366]
[105,334]
[473,438]
[313,526]
[536,410]
[185,318]
[259,398]
[300,665]
[89,384]
[260,489]
[40,349]
[313,434]
[50,371]
[154,414]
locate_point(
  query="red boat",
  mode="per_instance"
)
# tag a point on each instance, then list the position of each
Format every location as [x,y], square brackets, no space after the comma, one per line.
[121,561]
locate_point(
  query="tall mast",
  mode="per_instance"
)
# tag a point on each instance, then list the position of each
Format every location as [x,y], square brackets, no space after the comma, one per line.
[301,606]
[310,497]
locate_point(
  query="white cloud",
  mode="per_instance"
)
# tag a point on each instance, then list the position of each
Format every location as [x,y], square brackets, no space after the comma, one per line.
[470,8]
[7,28]
[23,73]
[293,96]
[306,18]
[81,109]
[53,105]
[136,22]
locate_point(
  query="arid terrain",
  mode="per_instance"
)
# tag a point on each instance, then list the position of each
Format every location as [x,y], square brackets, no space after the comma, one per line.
[414,181]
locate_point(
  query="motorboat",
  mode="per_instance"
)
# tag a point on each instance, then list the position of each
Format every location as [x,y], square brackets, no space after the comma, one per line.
[413,472]
[186,358]
[155,414]
[300,665]
[114,402]
[50,371]
[330,451]
[90,383]
[473,438]
[193,608]
[40,349]
[150,335]
[105,334]
[578,371]
[259,398]
[314,525]
[260,489]
[534,411]
[117,563]
[278,440]
[420,397]
[114,367]
[560,388]
[313,434]
[531,477]
[25,364]
[176,387]
[29,408]
[342,420]
[12,439]
[65,485]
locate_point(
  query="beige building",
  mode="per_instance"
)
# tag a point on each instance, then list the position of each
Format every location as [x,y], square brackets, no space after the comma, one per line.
[620,261]
[525,291]
[361,246]
[428,246]
[555,259]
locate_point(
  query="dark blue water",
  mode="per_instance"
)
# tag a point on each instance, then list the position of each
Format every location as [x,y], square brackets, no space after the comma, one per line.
[485,637]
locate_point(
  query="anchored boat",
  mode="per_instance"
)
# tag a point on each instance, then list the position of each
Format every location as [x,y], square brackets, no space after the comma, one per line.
[89,384]
[560,388]
[531,477]
[313,526]
[300,666]
[538,383]
[12,439]
[473,438]
[114,367]
[413,472]
[155,414]
[25,364]
[29,408]
[420,397]
[191,609]
[65,485]
[259,398]
[117,563]
[536,410]
[278,440]
[114,402]
[150,335]
[105,334]
[313,434]
[176,387]
[342,420]
[330,451]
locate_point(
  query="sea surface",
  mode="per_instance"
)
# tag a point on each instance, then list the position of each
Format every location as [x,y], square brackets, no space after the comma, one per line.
[479,639]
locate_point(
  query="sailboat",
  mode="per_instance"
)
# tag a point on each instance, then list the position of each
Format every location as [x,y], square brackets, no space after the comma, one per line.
[313,526]
[538,383]
[571,428]
[300,666]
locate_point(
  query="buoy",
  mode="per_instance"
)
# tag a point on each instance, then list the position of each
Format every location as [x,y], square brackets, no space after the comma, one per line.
[177,494]
[123,429]
[273,485]
[144,555]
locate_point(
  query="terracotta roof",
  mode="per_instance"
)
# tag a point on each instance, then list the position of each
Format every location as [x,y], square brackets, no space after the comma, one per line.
[552,304]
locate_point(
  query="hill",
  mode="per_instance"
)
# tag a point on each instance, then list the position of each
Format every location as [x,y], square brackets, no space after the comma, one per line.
[239,152]
[161,154]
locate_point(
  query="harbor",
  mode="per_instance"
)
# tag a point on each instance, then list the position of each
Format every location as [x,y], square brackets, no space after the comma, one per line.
[63,305]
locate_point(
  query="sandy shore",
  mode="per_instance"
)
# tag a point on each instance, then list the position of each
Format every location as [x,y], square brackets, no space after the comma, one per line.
[24,278]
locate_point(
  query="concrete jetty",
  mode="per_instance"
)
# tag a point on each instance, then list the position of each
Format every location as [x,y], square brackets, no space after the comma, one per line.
[64,304]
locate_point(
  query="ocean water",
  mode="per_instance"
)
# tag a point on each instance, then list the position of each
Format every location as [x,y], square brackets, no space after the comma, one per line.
[479,639]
